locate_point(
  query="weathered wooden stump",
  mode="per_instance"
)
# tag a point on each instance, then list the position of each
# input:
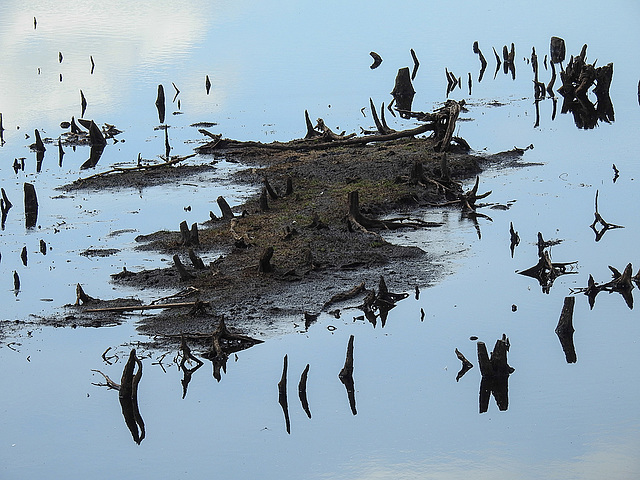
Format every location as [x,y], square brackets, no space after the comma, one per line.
[564,330]
[30,205]
[495,373]
[403,91]
[224,208]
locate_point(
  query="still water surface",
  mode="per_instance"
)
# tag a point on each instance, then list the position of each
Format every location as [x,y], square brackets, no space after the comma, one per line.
[268,63]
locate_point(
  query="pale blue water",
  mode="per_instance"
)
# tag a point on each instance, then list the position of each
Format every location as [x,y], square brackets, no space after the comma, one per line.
[267,64]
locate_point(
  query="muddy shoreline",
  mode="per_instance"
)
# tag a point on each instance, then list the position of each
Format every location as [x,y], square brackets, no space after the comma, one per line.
[316,254]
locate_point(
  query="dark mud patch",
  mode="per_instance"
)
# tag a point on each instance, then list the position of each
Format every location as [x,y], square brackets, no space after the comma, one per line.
[315,253]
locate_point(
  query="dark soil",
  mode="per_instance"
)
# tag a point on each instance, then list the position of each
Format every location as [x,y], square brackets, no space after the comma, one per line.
[315,254]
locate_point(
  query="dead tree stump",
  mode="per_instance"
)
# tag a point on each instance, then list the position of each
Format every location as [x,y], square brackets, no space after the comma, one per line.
[302,391]
[403,91]
[346,376]
[184,274]
[30,205]
[264,265]
[282,395]
[495,373]
[565,330]
[224,208]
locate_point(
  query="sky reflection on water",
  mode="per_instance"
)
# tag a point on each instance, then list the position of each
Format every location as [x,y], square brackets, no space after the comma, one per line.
[268,63]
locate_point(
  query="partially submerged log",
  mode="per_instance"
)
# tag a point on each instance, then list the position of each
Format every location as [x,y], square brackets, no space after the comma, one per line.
[357,221]
[441,121]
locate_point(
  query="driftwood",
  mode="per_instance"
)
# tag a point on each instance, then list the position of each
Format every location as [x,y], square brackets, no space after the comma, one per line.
[357,221]
[442,122]
[343,296]
[128,308]
[403,91]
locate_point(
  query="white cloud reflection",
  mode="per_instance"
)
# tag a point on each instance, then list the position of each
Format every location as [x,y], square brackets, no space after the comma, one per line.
[617,460]
[125,38]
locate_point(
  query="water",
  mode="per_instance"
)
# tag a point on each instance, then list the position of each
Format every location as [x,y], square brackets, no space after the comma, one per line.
[267,64]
